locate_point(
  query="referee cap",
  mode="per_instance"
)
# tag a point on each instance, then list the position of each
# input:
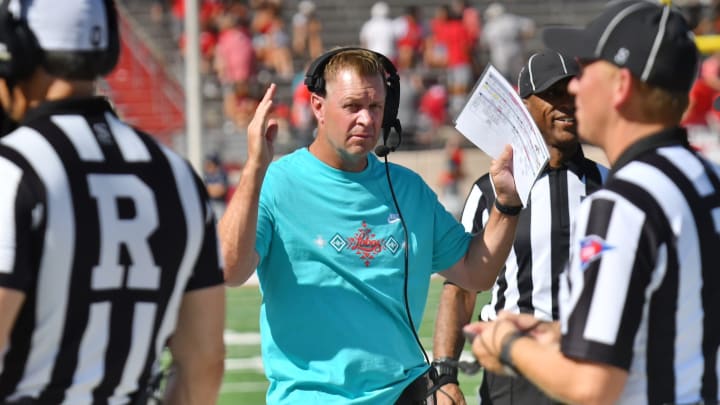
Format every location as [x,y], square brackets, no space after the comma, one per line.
[542,70]
[65,25]
[653,41]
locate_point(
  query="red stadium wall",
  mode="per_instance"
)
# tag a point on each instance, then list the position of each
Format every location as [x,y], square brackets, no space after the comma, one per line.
[143,92]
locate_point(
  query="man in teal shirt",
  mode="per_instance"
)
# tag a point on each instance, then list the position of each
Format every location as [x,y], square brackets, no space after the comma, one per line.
[334,244]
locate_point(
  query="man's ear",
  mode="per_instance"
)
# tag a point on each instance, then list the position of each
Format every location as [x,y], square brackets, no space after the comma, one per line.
[13,100]
[317,103]
[11,110]
[623,87]
[5,96]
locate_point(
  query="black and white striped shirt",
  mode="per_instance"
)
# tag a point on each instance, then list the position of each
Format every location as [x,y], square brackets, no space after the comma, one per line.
[642,290]
[103,230]
[528,282]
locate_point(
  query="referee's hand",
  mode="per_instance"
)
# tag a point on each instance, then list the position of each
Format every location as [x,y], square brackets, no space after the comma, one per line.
[501,172]
[487,342]
[545,333]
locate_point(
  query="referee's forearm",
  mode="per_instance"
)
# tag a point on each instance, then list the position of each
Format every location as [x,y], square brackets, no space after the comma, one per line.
[567,379]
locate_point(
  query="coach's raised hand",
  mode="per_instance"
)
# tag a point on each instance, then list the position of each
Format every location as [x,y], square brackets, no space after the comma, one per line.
[262,131]
[238,225]
[501,171]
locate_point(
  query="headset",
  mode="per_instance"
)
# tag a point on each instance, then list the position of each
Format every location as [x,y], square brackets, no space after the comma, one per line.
[22,53]
[315,82]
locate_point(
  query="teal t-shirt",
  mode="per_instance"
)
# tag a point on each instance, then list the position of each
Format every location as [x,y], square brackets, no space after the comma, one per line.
[333,321]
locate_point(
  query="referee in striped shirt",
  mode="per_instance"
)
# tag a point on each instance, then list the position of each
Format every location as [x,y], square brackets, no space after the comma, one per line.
[528,283]
[639,300]
[108,247]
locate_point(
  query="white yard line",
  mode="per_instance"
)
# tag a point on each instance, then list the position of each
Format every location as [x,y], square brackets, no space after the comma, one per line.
[233,338]
[252,363]
[240,339]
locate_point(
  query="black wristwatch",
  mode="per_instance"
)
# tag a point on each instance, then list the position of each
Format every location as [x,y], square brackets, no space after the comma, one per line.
[509,210]
[504,358]
[447,369]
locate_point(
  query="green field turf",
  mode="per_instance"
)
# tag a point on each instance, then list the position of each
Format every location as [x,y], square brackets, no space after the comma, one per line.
[244,382]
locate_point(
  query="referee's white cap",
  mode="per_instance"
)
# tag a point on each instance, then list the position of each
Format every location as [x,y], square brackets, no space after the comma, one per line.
[65,25]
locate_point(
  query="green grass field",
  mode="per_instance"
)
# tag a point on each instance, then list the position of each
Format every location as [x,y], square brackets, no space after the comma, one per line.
[244,382]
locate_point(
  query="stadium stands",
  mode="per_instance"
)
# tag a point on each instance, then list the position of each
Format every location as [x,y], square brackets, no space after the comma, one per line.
[151,70]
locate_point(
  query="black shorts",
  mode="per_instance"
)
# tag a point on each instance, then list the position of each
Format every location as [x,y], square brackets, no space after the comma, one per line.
[501,390]
[416,393]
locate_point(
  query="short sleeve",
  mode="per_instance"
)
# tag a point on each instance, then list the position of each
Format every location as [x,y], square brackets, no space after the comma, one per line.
[208,267]
[17,204]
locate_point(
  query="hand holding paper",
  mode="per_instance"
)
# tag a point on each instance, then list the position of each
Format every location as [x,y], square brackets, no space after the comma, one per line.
[501,173]
[495,116]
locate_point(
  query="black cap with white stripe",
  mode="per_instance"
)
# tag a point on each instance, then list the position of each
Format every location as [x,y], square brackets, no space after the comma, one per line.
[651,40]
[542,70]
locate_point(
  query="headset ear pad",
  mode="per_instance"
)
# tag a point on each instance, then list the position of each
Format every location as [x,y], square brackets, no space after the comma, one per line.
[314,76]
[23,53]
[392,97]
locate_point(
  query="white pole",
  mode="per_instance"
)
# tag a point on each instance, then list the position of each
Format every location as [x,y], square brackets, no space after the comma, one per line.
[193,95]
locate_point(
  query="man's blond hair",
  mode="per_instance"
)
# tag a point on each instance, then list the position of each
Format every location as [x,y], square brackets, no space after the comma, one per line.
[660,105]
[360,61]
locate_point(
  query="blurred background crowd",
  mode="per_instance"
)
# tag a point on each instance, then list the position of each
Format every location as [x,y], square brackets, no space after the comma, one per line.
[440,48]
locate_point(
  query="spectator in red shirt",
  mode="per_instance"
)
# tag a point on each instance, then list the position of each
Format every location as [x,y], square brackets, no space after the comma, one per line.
[410,36]
[433,111]
[705,89]
[234,54]
[451,33]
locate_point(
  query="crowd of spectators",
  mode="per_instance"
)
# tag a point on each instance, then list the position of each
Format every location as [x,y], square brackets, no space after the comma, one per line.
[245,44]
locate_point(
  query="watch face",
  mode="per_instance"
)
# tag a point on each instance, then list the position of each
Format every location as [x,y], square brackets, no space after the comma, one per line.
[446,369]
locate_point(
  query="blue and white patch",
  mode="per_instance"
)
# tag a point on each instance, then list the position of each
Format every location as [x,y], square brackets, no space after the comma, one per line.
[591,248]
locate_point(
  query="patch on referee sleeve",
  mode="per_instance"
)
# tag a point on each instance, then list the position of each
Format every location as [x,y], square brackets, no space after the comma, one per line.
[591,248]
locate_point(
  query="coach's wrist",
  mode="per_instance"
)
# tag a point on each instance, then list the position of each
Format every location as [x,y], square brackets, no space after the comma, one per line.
[447,369]
[509,210]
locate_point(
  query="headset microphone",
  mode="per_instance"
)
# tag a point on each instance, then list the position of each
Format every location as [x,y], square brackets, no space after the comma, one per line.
[382,150]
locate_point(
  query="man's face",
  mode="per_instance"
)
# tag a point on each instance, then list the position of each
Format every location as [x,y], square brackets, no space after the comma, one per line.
[350,117]
[593,98]
[554,113]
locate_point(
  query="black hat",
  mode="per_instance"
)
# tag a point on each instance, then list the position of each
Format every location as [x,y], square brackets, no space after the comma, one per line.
[542,70]
[653,41]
